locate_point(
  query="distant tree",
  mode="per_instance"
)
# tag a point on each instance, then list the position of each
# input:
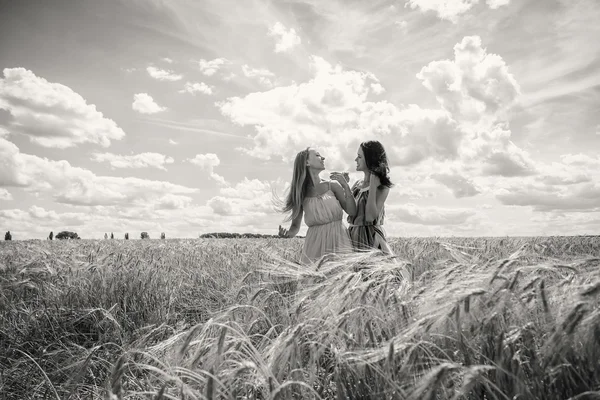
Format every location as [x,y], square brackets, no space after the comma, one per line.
[7,236]
[162,235]
[145,235]
[51,235]
[112,236]
[127,236]
[105,235]
[67,235]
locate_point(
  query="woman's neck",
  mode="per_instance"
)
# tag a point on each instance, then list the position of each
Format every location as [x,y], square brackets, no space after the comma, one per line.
[367,178]
[314,177]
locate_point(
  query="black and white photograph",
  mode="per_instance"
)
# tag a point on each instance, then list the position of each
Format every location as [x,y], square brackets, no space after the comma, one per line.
[300,199]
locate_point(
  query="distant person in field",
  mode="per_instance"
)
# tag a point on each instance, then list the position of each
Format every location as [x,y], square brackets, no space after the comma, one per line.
[322,203]
[366,225]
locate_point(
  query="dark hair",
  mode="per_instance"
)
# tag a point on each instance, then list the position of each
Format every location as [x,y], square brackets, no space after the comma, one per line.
[376,161]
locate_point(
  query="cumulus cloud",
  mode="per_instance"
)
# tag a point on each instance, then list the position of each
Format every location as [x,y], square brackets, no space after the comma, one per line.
[377,88]
[172,202]
[451,10]
[77,186]
[494,4]
[173,142]
[448,10]
[143,160]
[478,91]
[5,194]
[475,84]
[145,104]
[196,87]
[263,75]
[248,198]
[221,205]
[330,111]
[208,162]
[52,114]
[286,39]
[458,184]
[511,161]
[210,67]
[167,60]
[163,74]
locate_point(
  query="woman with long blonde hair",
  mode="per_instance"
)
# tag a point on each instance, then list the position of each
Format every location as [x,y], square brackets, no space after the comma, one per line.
[322,204]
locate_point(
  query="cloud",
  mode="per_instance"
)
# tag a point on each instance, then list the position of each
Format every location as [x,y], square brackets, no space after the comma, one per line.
[171,141]
[167,60]
[208,162]
[195,87]
[77,186]
[451,9]
[448,10]
[41,220]
[570,185]
[494,4]
[333,111]
[584,198]
[172,202]
[475,85]
[478,91]
[144,104]
[413,214]
[402,25]
[143,160]
[512,162]
[5,194]
[249,197]
[458,184]
[377,88]
[163,75]
[209,68]
[248,189]
[263,75]
[51,114]
[325,110]
[221,206]
[286,39]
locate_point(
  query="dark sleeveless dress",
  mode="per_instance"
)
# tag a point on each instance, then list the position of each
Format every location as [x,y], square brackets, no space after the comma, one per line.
[366,235]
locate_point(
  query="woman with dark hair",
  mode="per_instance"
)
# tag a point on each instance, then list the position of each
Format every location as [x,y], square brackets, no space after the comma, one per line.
[322,203]
[366,227]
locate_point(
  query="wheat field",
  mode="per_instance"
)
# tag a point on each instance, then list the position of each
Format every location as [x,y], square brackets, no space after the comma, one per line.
[447,318]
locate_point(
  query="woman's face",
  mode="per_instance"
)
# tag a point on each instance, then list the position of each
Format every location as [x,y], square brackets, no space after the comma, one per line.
[315,160]
[361,165]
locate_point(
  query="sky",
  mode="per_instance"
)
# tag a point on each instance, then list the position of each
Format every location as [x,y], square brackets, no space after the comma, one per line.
[184,116]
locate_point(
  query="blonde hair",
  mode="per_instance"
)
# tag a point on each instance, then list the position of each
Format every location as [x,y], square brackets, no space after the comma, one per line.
[298,187]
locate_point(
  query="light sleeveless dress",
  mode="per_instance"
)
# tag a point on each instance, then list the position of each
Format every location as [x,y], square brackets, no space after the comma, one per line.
[326,233]
[366,235]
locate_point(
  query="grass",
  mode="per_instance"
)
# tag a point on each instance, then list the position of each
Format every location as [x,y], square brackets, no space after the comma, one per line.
[460,318]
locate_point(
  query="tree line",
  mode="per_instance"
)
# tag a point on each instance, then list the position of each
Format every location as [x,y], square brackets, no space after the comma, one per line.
[144,235]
